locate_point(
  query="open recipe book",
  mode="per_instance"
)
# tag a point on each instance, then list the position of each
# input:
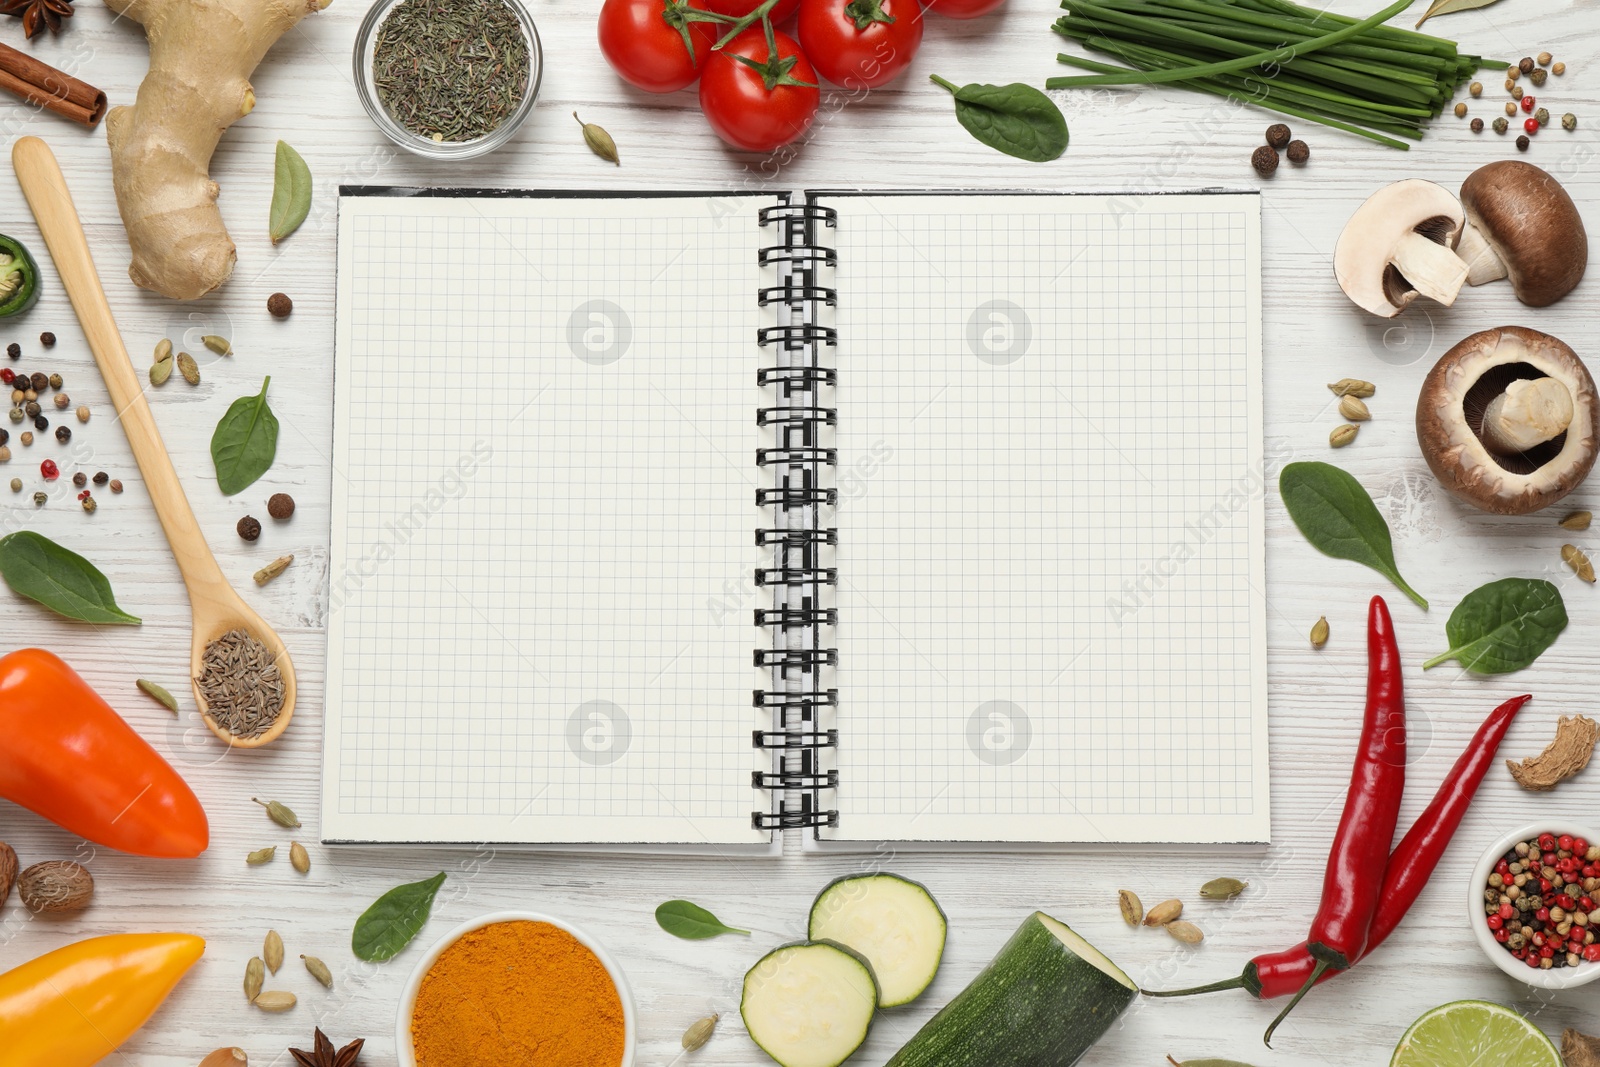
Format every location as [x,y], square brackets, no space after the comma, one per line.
[667,520]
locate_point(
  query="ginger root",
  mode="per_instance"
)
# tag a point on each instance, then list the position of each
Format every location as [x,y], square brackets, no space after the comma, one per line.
[202,53]
[1562,758]
[1579,1050]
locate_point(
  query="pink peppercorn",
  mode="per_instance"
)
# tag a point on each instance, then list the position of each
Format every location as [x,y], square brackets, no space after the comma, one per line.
[1565,841]
[8,375]
[1547,842]
[1528,105]
[49,470]
[1579,846]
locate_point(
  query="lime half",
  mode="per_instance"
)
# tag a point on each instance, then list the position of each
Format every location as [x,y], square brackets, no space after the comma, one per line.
[1474,1033]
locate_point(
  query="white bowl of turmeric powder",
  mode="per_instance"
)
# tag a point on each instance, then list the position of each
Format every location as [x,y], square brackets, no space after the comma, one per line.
[503,983]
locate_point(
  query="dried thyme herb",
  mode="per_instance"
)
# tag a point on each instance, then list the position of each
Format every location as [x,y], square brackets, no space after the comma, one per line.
[452,70]
[241,684]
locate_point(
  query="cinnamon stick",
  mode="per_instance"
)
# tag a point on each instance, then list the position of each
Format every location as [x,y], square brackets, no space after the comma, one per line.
[49,88]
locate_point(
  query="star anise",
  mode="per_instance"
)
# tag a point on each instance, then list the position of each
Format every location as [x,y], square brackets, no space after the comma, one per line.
[322,1054]
[37,14]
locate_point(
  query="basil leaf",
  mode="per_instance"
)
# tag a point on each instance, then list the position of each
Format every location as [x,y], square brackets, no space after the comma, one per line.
[1016,119]
[691,922]
[394,919]
[1339,519]
[59,578]
[1503,626]
[245,442]
[291,193]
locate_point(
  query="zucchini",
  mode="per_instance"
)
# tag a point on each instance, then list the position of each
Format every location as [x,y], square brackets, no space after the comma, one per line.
[1042,1002]
[809,1003]
[892,921]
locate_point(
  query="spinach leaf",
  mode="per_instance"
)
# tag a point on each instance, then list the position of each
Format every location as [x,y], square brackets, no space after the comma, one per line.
[59,578]
[1016,119]
[1339,518]
[1503,626]
[394,919]
[245,442]
[691,922]
[291,193]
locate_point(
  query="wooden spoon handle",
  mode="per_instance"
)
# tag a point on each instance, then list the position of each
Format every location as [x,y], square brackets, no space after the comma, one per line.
[46,189]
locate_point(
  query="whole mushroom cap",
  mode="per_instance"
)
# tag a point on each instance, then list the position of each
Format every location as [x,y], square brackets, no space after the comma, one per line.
[1533,227]
[1474,379]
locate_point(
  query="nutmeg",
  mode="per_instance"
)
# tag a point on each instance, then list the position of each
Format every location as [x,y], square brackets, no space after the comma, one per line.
[55,885]
[8,871]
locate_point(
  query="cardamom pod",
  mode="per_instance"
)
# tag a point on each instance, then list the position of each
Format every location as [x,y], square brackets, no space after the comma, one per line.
[1163,913]
[1573,557]
[1132,908]
[319,970]
[273,569]
[255,973]
[1578,520]
[1354,408]
[1319,632]
[188,368]
[275,1000]
[1352,387]
[298,858]
[261,855]
[163,350]
[272,951]
[280,813]
[158,693]
[599,141]
[219,345]
[1224,888]
[699,1032]
[1186,932]
[160,371]
[1342,435]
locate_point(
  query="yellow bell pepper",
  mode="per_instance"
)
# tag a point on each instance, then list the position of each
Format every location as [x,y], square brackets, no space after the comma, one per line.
[74,1006]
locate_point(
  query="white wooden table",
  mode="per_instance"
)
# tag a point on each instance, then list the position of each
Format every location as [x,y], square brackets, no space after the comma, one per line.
[904,136]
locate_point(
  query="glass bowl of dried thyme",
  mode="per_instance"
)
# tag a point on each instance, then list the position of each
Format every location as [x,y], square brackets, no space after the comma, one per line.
[448,79]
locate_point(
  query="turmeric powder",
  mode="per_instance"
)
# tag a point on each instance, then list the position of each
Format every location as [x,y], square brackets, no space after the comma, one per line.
[517,994]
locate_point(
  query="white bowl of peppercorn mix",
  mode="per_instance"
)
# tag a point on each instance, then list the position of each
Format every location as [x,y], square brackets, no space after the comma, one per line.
[1534,904]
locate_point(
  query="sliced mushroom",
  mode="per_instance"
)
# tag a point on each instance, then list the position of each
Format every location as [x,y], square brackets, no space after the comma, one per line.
[1399,245]
[1509,421]
[1522,225]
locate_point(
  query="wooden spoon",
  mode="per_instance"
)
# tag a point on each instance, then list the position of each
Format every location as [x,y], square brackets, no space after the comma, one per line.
[215,606]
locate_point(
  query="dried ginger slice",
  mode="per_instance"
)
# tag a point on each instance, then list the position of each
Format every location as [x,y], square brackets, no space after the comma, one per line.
[1564,757]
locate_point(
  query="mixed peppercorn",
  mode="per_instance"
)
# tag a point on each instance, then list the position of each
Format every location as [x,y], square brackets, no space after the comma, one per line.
[28,390]
[1537,70]
[1538,901]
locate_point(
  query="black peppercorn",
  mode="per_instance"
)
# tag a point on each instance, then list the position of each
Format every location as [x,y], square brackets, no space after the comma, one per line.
[101,477]
[39,380]
[63,434]
[1299,152]
[41,423]
[80,479]
[1278,135]
[1523,142]
[31,409]
[281,506]
[47,339]
[1525,64]
[279,305]
[1265,160]
[1477,125]
[249,528]
[5,437]
[56,381]
[14,350]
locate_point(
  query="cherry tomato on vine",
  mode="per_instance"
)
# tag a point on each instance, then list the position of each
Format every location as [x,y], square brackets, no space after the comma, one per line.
[860,44]
[740,8]
[648,42]
[759,92]
[962,9]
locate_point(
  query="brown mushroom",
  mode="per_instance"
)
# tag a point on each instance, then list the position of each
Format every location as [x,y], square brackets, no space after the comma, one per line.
[1522,225]
[1509,421]
[1399,245]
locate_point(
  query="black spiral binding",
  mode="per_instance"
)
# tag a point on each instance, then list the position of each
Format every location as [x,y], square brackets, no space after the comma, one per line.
[800,463]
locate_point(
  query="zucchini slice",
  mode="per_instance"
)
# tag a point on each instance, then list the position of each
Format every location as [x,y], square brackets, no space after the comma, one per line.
[1043,1001]
[892,921]
[809,1003]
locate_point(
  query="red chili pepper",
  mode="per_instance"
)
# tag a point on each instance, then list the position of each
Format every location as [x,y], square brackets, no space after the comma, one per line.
[1278,974]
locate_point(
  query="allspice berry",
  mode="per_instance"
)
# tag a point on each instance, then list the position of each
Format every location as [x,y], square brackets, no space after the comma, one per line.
[281,506]
[1523,142]
[249,528]
[1299,152]
[1265,160]
[47,339]
[279,305]
[1278,135]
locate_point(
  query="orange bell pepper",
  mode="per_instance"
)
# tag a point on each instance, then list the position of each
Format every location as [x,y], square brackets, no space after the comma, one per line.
[76,1005]
[66,755]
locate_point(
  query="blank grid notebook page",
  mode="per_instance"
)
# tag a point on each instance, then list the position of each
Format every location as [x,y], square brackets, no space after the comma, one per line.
[1051,614]
[544,440]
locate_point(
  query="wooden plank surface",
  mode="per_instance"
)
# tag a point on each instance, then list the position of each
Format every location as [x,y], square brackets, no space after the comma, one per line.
[903,136]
